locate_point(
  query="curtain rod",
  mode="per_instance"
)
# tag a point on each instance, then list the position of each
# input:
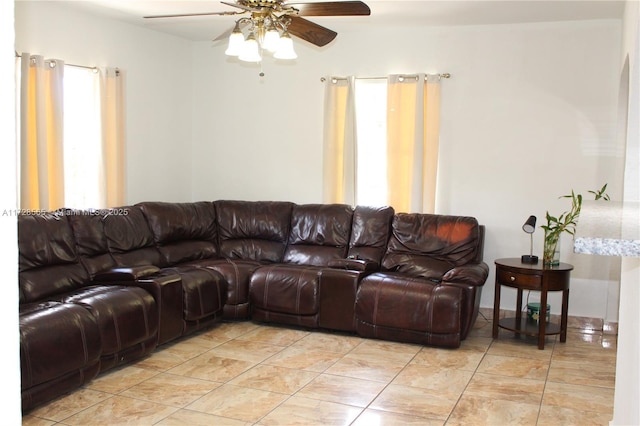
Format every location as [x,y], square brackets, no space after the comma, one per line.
[95,69]
[440,76]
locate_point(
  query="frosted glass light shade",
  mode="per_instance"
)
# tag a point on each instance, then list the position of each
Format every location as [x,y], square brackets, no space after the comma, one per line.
[250,50]
[285,48]
[271,40]
[236,40]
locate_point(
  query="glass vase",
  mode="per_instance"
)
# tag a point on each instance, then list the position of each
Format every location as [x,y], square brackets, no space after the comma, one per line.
[551,252]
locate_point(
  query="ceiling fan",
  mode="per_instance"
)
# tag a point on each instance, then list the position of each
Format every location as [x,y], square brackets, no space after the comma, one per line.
[284,17]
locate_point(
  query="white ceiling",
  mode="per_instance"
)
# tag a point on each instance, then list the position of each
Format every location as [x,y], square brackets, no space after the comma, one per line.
[383,12]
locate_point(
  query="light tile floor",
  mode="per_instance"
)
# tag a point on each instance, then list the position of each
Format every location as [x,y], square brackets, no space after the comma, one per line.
[243,373]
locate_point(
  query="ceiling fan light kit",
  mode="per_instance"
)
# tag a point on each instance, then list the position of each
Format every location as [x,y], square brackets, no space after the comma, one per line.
[272,22]
[263,35]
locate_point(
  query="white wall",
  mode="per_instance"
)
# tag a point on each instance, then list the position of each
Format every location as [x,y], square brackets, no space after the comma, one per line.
[627,389]
[528,115]
[9,333]
[157,70]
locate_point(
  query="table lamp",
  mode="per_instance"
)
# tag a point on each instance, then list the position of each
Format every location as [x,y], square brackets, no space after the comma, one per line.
[529,227]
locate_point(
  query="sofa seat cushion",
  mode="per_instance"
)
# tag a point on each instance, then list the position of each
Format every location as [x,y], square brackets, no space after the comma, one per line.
[395,307]
[288,289]
[56,340]
[422,267]
[126,315]
[204,291]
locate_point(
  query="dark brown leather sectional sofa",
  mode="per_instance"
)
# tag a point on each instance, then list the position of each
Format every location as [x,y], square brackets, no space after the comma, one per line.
[99,288]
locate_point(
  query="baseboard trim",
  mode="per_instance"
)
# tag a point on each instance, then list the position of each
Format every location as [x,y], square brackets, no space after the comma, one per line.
[583,324]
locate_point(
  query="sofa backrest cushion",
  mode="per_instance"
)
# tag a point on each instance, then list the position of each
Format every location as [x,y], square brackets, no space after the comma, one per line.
[91,242]
[182,231]
[370,232]
[427,245]
[253,230]
[319,233]
[48,262]
[129,238]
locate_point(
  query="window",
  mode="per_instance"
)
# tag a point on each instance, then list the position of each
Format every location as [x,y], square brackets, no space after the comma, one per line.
[371,152]
[396,143]
[71,135]
[381,140]
[82,138]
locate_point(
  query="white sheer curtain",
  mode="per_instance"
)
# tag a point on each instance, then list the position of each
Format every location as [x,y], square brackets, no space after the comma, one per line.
[82,155]
[71,135]
[413,118]
[339,137]
[41,133]
[112,117]
[93,134]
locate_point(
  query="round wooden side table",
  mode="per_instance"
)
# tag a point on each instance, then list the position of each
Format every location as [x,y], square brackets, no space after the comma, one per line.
[511,272]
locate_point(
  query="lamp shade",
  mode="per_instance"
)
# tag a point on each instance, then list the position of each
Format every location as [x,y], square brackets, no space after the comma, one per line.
[271,40]
[250,50]
[530,225]
[236,40]
[285,48]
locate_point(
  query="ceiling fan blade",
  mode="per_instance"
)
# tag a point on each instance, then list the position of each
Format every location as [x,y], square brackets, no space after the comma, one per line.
[313,33]
[332,8]
[225,34]
[184,15]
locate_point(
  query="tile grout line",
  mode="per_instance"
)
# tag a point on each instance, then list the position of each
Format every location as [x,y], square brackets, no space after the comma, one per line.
[481,332]
[317,374]
[385,387]
[546,379]
[475,371]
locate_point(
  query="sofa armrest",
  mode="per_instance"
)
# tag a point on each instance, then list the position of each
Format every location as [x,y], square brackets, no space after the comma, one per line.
[338,289]
[166,289]
[125,274]
[361,265]
[475,274]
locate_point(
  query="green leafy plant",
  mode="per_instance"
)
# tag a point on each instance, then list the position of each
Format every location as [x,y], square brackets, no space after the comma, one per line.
[566,222]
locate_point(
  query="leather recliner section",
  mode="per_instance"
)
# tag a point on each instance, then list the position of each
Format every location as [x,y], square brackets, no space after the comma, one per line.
[252,234]
[62,310]
[289,292]
[132,243]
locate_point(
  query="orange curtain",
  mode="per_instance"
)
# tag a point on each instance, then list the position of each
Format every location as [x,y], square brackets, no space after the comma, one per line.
[339,142]
[413,118]
[41,133]
[111,98]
